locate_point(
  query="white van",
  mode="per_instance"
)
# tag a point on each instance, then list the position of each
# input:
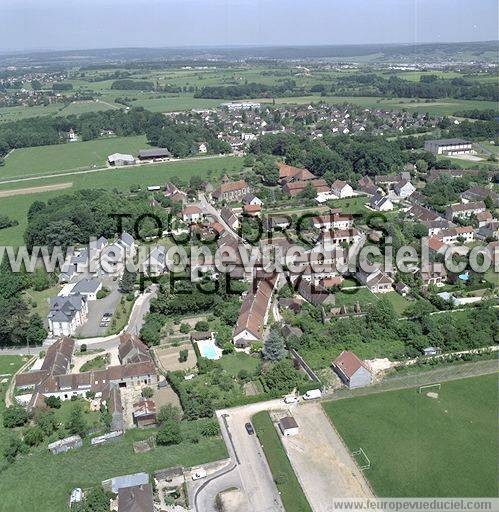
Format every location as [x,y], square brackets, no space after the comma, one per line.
[200,473]
[312,394]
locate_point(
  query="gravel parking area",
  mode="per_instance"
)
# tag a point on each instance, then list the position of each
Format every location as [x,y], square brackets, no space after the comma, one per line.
[321,462]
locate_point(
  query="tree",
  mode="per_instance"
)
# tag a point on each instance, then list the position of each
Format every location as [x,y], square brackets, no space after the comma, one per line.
[419,309]
[14,416]
[168,412]
[96,500]
[169,433]
[127,283]
[422,165]
[76,424]
[274,348]
[35,331]
[382,313]
[202,325]
[184,328]
[47,421]
[147,392]
[282,377]
[14,447]
[33,436]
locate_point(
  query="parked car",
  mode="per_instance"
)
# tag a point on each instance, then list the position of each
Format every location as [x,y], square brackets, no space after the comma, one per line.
[291,399]
[200,473]
[313,393]
[249,428]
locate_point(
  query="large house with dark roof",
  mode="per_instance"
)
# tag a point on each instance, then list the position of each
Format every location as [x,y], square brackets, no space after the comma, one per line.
[67,314]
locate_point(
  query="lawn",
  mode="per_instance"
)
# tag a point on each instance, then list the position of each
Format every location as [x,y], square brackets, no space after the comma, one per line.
[10,364]
[234,363]
[419,446]
[41,299]
[399,303]
[292,495]
[36,161]
[350,297]
[176,103]
[48,479]
[96,363]
[16,207]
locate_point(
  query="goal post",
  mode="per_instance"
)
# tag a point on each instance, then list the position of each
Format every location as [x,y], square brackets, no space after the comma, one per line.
[365,461]
[428,386]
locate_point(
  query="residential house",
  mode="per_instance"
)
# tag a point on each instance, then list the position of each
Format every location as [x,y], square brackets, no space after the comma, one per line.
[88,288]
[376,282]
[132,350]
[294,188]
[253,210]
[402,289]
[366,185]
[231,191]
[315,294]
[67,314]
[229,217]
[156,263]
[404,189]
[490,230]
[463,210]
[254,313]
[354,372]
[288,173]
[484,218]
[137,498]
[475,194]
[251,199]
[452,235]
[334,220]
[192,214]
[433,274]
[339,237]
[380,203]
[341,189]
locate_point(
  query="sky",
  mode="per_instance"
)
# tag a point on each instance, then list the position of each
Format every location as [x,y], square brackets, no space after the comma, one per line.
[85,24]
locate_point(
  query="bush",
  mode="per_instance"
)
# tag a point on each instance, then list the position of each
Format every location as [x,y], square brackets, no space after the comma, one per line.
[104,292]
[15,416]
[147,392]
[202,325]
[33,436]
[243,374]
[130,296]
[210,428]
[83,347]
[13,448]
[54,402]
[183,355]
[184,328]
[90,395]
[169,433]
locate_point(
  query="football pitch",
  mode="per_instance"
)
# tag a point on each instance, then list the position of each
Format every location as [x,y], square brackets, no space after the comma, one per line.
[425,447]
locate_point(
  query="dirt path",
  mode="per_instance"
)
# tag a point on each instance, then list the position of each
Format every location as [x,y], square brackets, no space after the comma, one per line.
[35,190]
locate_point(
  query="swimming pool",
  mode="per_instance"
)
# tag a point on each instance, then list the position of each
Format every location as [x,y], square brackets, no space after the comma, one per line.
[208,349]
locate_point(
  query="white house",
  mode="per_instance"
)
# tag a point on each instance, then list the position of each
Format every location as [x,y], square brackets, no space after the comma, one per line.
[156,263]
[127,242]
[352,371]
[252,200]
[381,203]
[341,189]
[288,426]
[404,189]
[87,288]
[192,214]
[67,314]
[376,282]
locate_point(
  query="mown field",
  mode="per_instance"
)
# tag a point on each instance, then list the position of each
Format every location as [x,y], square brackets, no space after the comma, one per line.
[52,159]
[292,495]
[419,446]
[17,206]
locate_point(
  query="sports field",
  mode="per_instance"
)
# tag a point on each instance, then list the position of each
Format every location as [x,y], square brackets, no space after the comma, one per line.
[56,158]
[420,446]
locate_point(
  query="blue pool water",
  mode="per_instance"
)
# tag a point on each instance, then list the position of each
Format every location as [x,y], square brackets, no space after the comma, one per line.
[464,277]
[208,350]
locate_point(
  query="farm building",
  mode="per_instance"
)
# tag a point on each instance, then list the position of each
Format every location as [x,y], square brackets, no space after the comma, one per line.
[448,147]
[352,371]
[151,154]
[144,413]
[120,159]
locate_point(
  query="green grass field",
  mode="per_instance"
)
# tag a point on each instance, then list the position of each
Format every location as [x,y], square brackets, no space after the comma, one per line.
[56,158]
[292,495]
[419,446]
[49,479]
[40,298]
[350,297]
[399,303]
[16,207]
[10,364]
[234,363]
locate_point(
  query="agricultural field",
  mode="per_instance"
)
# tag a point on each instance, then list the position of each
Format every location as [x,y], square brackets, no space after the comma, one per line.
[36,161]
[176,103]
[17,206]
[443,446]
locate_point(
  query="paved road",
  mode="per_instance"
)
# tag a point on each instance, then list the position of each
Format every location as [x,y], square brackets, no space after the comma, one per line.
[249,470]
[135,322]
